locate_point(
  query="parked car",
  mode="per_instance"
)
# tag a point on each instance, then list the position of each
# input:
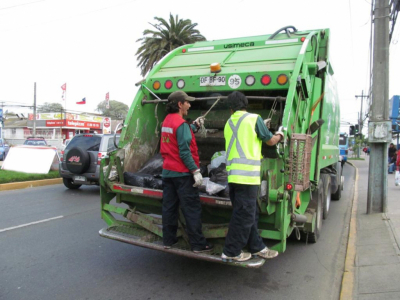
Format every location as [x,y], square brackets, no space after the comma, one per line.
[65,144]
[3,149]
[80,161]
[35,141]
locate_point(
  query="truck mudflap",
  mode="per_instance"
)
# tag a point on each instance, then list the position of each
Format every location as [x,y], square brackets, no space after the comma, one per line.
[143,238]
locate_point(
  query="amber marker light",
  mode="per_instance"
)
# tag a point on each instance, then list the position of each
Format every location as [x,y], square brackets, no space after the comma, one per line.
[156,85]
[282,79]
[168,84]
[215,67]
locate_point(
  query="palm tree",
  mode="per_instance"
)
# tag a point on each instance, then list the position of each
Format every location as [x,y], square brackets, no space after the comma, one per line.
[166,37]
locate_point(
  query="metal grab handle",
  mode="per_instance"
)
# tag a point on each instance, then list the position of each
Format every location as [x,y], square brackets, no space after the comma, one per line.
[286,30]
[115,133]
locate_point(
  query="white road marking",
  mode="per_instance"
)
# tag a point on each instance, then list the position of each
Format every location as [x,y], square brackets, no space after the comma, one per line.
[29,224]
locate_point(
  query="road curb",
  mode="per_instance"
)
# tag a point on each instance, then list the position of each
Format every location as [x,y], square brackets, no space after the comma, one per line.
[347,288]
[28,184]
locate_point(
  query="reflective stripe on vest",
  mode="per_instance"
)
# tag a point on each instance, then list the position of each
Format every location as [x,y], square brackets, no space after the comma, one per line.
[243,169]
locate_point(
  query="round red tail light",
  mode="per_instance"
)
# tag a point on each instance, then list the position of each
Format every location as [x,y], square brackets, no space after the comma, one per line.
[265,79]
[289,186]
[168,84]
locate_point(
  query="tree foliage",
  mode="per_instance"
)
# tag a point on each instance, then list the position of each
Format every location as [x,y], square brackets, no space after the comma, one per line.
[167,36]
[117,110]
[49,107]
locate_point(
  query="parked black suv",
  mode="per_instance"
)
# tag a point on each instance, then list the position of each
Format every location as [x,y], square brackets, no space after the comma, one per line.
[80,161]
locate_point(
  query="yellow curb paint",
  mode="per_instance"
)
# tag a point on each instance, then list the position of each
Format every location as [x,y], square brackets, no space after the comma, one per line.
[28,184]
[347,288]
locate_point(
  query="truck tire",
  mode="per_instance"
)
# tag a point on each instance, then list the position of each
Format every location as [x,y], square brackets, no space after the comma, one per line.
[318,205]
[326,180]
[338,194]
[69,184]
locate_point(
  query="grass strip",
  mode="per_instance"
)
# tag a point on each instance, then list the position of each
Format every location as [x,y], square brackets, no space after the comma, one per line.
[12,176]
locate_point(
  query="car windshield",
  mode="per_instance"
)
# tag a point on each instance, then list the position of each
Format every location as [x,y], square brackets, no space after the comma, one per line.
[86,142]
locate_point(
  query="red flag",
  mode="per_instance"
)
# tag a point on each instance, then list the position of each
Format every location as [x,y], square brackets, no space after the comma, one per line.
[82,102]
[64,90]
[108,96]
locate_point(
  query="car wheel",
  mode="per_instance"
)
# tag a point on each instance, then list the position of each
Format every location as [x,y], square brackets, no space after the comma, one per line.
[69,184]
[77,160]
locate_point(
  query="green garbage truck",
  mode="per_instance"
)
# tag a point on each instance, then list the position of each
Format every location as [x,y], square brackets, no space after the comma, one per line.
[288,78]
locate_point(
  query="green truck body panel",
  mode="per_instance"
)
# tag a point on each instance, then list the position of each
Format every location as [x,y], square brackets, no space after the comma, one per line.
[308,95]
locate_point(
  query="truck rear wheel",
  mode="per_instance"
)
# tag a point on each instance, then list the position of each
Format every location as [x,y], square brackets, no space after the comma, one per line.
[318,205]
[338,194]
[327,187]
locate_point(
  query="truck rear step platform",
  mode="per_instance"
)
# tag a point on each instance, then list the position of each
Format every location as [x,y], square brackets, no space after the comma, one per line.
[143,238]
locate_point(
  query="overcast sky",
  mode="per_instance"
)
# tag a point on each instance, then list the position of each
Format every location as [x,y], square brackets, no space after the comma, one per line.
[91,45]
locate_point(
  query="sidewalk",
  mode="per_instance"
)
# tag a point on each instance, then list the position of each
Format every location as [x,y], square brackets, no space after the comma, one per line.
[376,264]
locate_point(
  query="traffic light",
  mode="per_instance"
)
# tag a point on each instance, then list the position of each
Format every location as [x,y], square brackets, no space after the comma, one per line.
[356,129]
[351,130]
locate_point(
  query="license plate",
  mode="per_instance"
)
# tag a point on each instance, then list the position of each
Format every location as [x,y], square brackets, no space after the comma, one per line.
[212,81]
[79,178]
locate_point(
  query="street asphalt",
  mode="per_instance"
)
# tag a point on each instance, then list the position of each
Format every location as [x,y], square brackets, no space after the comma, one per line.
[372,266]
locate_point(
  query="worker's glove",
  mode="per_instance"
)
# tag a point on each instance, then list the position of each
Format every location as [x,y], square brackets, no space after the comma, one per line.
[267,123]
[199,122]
[280,133]
[198,179]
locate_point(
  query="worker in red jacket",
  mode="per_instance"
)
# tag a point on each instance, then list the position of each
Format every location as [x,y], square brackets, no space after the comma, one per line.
[181,174]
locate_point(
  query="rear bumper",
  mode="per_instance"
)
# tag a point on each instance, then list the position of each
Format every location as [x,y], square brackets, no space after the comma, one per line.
[132,236]
[90,177]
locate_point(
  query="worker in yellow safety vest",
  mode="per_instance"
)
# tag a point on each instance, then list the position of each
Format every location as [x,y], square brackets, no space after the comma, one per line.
[244,134]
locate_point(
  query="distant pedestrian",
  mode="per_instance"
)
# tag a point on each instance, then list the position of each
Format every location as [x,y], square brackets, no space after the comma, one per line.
[392,156]
[368,150]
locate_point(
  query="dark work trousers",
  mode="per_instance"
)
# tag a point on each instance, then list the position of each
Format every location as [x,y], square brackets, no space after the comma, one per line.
[180,191]
[243,229]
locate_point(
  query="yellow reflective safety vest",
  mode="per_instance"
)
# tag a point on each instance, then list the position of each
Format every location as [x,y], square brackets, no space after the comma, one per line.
[243,149]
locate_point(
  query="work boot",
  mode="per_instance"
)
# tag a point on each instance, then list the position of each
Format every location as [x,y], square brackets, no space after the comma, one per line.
[243,256]
[170,246]
[266,253]
[206,248]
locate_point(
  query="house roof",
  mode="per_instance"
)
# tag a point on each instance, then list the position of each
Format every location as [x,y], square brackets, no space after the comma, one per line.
[15,123]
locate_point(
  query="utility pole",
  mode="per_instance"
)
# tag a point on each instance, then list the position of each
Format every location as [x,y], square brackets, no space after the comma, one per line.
[360,119]
[379,128]
[34,110]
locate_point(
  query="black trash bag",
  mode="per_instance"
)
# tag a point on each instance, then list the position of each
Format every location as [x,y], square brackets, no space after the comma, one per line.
[142,180]
[204,171]
[219,175]
[225,192]
[153,166]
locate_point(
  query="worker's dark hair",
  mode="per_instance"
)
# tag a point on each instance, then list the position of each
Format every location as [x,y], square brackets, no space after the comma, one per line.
[237,101]
[172,107]
[173,100]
